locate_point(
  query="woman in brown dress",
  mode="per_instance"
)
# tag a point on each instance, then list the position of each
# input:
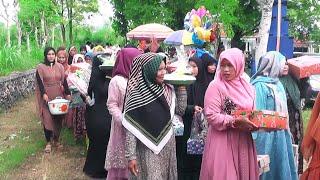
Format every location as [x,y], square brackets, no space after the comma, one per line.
[50,83]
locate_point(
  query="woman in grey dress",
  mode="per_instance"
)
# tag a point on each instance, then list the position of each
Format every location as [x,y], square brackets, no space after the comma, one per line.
[149,107]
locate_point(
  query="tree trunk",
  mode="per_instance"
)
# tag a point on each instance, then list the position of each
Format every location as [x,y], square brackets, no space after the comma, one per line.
[5,15]
[8,34]
[44,38]
[52,37]
[265,23]
[236,41]
[63,33]
[28,42]
[70,16]
[19,34]
[62,26]
[36,38]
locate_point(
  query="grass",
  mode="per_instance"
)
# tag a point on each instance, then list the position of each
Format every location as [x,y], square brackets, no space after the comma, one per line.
[11,59]
[21,138]
[20,135]
[12,158]
[306,116]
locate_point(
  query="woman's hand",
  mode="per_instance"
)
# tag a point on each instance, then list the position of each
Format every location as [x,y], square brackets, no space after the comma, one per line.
[197,109]
[244,125]
[133,167]
[45,98]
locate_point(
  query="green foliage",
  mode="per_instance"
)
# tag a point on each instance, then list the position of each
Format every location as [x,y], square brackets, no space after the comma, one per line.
[130,14]
[306,117]
[303,16]
[101,36]
[12,59]
[224,11]
[239,17]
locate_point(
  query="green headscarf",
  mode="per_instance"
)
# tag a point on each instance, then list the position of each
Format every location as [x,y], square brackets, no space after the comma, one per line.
[150,69]
[292,89]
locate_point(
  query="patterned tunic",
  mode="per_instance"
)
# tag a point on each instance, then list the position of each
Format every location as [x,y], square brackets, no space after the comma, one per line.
[162,166]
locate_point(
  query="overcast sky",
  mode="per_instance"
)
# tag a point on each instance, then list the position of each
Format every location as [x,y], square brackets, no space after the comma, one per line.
[97,20]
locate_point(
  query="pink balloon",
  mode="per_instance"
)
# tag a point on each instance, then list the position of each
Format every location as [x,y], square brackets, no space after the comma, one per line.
[201,11]
[193,11]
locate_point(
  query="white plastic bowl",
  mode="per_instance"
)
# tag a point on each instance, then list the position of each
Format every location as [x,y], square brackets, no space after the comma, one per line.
[58,106]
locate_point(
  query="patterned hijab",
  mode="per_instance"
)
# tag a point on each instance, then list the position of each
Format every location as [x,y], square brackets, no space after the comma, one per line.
[147,113]
[270,65]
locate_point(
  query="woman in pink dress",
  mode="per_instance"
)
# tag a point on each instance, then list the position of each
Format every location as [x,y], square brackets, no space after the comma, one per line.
[229,151]
[116,163]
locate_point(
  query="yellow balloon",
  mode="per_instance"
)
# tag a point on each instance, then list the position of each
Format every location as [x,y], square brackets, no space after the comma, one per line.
[207,35]
[195,20]
[200,32]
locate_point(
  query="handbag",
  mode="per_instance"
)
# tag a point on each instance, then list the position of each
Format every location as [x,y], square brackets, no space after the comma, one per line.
[199,128]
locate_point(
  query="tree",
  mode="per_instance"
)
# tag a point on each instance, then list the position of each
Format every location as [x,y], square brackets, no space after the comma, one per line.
[303,18]
[6,6]
[75,10]
[120,23]
[38,14]
[239,17]
[265,23]
[130,14]
[178,11]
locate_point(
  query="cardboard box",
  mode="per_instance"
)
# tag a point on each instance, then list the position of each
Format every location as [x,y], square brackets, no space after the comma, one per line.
[269,120]
[304,66]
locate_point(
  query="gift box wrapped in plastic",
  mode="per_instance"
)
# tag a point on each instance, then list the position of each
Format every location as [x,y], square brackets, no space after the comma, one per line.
[263,163]
[304,66]
[268,120]
[178,126]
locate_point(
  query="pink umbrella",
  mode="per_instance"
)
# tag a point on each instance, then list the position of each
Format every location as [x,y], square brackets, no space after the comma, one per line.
[148,31]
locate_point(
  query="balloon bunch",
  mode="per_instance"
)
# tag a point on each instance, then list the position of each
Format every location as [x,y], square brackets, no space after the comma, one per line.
[199,22]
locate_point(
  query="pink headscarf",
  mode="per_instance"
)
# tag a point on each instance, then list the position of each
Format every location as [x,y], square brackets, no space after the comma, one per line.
[124,61]
[238,90]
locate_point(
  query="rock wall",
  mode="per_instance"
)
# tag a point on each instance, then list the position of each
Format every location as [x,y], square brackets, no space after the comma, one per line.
[16,86]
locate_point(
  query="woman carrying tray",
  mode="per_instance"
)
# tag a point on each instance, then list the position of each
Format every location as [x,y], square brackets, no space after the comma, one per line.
[116,163]
[270,95]
[97,121]
[148,110]
[189,165]
[229,151]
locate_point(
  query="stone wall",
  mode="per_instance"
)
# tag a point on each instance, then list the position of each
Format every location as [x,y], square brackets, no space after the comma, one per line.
[16,86]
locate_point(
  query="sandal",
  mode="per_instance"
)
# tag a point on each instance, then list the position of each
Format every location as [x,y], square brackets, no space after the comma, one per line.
[58,145]
[47,149]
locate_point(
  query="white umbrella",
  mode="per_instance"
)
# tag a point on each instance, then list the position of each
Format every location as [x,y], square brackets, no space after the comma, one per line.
[148,31]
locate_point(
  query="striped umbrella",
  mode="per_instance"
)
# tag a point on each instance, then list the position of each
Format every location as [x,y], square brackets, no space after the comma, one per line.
[181,37]
[148,31]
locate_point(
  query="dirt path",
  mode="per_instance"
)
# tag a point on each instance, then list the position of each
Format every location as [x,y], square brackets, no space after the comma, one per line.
[20,128]
[65,164]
